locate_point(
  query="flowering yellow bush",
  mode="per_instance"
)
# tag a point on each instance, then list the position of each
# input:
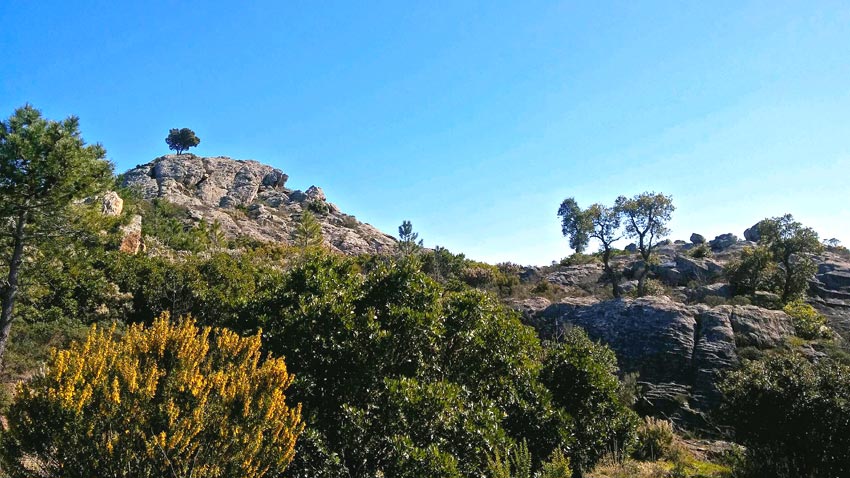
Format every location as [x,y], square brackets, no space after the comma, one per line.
[170,400]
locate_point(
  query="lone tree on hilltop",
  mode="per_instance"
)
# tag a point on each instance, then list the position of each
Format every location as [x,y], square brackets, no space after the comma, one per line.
[44,166]
[596,222]
[646,216]
[181,139]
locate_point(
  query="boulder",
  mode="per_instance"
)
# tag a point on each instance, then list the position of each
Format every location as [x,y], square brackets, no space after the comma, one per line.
[111,204]
[697,238]
[752,233]
[631,248]
[671,345]
[723,241]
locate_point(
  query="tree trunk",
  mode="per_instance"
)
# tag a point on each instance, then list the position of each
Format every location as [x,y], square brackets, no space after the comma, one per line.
[609,272]
[11,289]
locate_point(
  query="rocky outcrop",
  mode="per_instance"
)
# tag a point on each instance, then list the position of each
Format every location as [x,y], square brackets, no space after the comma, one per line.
[723,241]
[830,291]
[250,199]
[111,204]
[678,350]
[752,234]
[131,239]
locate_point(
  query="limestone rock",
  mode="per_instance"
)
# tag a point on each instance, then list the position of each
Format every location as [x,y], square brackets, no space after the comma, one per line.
[250,199]
[131,241]
[111,204]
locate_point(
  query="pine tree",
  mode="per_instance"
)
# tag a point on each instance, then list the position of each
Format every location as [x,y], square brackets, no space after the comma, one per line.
[308,231]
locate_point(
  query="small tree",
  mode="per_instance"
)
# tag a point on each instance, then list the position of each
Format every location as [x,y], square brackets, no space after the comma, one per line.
[574,224]
[408,244]
[169,400]
[308,231]
[44,166]
[181,139]
[791,246]
[596,222]
[646,215]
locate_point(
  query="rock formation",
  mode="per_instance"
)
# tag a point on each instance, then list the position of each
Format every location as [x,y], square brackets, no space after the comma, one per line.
[250,199]
[678,350]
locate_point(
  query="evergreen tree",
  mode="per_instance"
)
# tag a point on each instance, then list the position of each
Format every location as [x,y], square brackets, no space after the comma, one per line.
[407,244]
[646,215]
[308,231]
[44,166]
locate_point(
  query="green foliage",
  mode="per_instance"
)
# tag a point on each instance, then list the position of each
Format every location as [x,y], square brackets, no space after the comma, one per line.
[579,259]
[515,463]
[808,323]
[318,206]
[646,216]
[655,439]
[700,251]
[558,466]
[791,246]
[44,166]
[173,227]
[582,377]
[181,139]
[754,270]
[170,400]
[407,244]
[574,225]
[308,232]
[392,366]
[793,416]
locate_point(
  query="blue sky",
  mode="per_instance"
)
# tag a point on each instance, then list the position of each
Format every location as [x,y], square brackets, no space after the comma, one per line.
[472,119]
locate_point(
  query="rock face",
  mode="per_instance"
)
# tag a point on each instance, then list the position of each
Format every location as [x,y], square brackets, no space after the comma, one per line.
[250,199]
[830,291]
[131,241]
[679,350]
[752,233]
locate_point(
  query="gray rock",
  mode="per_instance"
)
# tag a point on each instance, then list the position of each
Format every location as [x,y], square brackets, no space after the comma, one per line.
[752,233]
[631,247]
[697,238]
[248,199]
[723,241]
[111,204]
[671,345]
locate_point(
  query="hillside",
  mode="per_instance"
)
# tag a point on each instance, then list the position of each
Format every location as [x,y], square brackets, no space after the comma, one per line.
[250,199]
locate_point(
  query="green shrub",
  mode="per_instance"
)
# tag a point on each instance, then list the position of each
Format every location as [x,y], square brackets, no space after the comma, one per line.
[655,439]
[700,251]
[578,259]
[808,323]
[714,300]
[793,416]
[318,206]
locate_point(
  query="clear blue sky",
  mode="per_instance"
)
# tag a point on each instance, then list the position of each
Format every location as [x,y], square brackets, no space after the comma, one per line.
[472,119]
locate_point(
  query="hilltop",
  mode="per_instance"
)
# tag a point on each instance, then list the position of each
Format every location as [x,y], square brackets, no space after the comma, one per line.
[249,199]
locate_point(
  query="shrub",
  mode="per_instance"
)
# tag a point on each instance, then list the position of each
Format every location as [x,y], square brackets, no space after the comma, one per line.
[655,439]
[700,251]
[169,400]
[578,258]
[808,323]
[318,206]
[793,416]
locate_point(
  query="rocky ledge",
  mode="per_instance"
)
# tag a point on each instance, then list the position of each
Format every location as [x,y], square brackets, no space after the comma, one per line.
[678,350]
[250,199]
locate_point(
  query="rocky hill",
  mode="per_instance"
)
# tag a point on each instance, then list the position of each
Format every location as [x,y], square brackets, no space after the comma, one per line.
[250,199]
[683,340]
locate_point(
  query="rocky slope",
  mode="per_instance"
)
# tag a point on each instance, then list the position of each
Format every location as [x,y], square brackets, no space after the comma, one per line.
[678,344]
[250,199]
